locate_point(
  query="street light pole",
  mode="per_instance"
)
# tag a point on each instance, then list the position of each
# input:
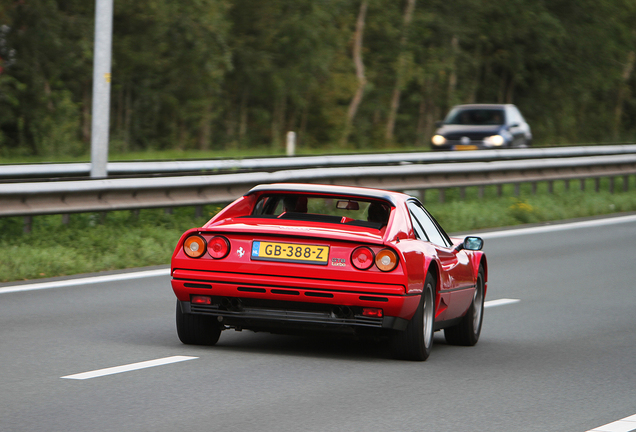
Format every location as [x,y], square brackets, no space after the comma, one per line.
[101,87]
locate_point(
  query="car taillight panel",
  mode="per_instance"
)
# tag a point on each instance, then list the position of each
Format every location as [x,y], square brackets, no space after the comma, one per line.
[218,247]
[362,258]
[194,246]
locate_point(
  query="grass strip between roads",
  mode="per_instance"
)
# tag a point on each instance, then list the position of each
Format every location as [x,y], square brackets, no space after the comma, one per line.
[93,242]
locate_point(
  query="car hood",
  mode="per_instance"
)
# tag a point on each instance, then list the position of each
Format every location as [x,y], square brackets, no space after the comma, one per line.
[469,129]
[295,228]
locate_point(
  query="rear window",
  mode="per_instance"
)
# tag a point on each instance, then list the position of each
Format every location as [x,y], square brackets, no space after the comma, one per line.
[329,209]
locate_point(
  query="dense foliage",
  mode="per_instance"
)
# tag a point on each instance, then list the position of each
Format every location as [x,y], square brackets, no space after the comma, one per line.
[363,74]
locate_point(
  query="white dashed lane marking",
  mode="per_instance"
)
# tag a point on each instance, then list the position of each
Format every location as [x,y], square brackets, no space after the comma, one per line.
[500,302]
[128,367]
[628,424]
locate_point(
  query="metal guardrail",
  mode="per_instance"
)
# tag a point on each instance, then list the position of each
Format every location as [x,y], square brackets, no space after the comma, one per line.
[37,198]
[271,164]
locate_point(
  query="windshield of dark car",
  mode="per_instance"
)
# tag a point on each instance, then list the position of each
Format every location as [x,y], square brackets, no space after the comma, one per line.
[475,117]
[329,209]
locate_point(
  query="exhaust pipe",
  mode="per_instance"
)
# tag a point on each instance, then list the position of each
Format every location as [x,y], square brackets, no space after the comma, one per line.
[231,304]
[341,312]
[236,304]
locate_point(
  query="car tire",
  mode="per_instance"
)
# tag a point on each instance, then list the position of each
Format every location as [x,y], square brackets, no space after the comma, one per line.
[197,329]
[467,332]
[415,343]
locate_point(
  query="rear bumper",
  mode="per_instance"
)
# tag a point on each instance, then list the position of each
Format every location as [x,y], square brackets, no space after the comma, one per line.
[262,317]
[250,301]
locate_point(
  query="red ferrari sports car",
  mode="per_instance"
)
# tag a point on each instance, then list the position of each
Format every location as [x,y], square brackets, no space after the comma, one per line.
[297,257]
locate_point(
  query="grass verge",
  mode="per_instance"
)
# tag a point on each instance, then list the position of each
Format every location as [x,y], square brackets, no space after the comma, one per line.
[93,242]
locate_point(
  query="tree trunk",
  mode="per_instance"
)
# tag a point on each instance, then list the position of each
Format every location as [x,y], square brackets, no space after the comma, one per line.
[86,114]
[452,78]
[243,116]
[622,89]
[510,89]
[205,131]
[399,80]
[278,120]
[128,112]
[357,60]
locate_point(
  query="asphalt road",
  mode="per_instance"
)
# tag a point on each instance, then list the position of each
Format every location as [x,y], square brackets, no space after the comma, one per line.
[561,359]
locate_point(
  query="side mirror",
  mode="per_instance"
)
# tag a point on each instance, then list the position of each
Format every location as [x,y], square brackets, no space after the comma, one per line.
[439,123]
[471,243]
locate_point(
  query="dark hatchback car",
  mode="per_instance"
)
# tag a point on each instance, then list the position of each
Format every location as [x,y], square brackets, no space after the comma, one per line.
[482,126]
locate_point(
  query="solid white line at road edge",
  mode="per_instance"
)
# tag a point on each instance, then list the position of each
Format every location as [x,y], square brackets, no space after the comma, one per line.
[627,424]
[85,281]
[500,302]
[129,367]
[558,227]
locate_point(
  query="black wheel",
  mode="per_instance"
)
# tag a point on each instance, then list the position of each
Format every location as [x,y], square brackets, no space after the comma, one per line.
[197,329]
[416,341]
[467,332]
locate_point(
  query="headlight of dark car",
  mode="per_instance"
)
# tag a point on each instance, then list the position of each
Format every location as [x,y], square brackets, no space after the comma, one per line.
[494,141]
[438,140]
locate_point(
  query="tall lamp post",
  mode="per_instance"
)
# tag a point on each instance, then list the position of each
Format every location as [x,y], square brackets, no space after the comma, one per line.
[101,87]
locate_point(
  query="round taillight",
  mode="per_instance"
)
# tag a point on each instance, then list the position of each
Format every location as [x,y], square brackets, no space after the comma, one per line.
[362,258]
[194,246]
[218,247]
[386,260]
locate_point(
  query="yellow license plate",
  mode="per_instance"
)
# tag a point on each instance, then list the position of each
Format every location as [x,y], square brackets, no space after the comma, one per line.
[466,147]
[290,252]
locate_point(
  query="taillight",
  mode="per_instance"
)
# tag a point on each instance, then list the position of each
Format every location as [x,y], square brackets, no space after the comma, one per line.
[194,246]
[218,247]
[372,312]
[362,258]
[386,260]
[199,299]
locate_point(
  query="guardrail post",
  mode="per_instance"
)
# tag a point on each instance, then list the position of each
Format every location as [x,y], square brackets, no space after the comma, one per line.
[611,185]
[480,191]
[534,188]
[198,211]
[517,189]
[582,185]
[567,184]
[66,218]
[625,183]
[462,193]
[442,195]
[168,210]
[550,187]
[28,224]
[499,190]
[597,184]
[422,195]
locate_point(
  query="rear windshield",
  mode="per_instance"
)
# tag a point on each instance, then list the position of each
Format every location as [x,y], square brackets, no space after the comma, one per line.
[475,117]
[330,209]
